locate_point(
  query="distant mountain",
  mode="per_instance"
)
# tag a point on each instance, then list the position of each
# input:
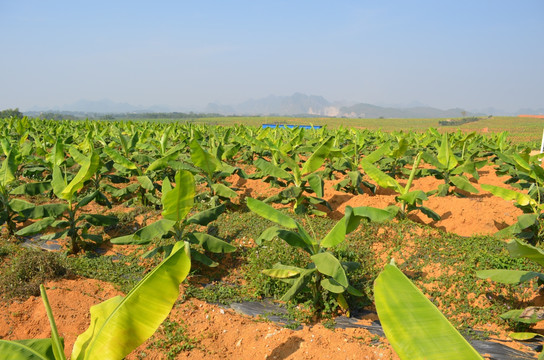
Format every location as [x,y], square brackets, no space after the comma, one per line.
[108,106]
[372,111]
[311,105]
[530,111]
[296,104]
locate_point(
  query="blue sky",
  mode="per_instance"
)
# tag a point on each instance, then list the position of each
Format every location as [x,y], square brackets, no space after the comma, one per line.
[185,54]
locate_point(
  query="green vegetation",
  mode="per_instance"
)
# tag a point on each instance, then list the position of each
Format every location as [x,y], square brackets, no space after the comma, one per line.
[166,185]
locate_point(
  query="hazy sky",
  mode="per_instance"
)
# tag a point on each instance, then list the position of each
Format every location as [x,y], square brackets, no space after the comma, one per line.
[184,54]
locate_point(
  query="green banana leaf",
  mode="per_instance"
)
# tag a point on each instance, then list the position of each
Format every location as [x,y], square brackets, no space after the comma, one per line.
[272,170]
[413,197]
[118,158]
[58,182]
[162,162]
[381,178]
[145,182]
[317,159]
[8,169]
[180,200]
[507,194]
[505,276]
[88,168]
[32,189]
[298,284]
[224,191]
[445,154]
[269,213]
[57,154]
[337,233]
[21,206]
[290,237]
[326,263]
[207,216]
[146,234]
[212,244]
[35,349]
[371,213]
[36,227]
[281,271]
[316,184]
[413,325]
[121,324]
[518,248]
[203,159]
[462,183]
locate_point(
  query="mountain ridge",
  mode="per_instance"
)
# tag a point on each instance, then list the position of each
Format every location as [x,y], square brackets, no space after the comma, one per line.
[297,104]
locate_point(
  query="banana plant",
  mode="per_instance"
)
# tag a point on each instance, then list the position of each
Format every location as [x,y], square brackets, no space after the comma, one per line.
[145,187]
[66,217]
[448,168]
[325,272]
[118,325]
[395,161]
[213,172]
[177,202]
[413,325]
[303,179]
[11,207]
[354,180]
[410,200]
[530,225]
[517,248]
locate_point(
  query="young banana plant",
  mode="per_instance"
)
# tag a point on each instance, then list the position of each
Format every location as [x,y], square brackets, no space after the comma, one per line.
[517,248]
[325,272]
[66,217]
[123,162]
[303,179]
[409,200]
[213,171]
[448,168]
[118,325]
[354,181]
[11,208]
[177,202]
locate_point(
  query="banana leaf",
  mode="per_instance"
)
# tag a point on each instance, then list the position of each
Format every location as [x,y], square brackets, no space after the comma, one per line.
[180,200]
[381,178]
[224,191]
[121,324]
[326,263]
[517,248]
[507,194]
[35,349]
[315,161]
[146,234]
[207,216]
[413,325]
[268,212]
[203,159]
[505,276]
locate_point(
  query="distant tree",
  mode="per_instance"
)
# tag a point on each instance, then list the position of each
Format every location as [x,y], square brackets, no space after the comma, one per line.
[11,113]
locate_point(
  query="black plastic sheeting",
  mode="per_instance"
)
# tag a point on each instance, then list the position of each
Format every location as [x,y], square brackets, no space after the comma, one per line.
[37,243]
[491,348]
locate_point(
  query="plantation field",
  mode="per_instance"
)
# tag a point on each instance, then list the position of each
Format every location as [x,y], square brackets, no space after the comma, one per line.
[520,129]
[307,219]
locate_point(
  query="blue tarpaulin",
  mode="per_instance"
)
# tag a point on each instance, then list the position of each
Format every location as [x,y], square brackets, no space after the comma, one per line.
[292,126]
